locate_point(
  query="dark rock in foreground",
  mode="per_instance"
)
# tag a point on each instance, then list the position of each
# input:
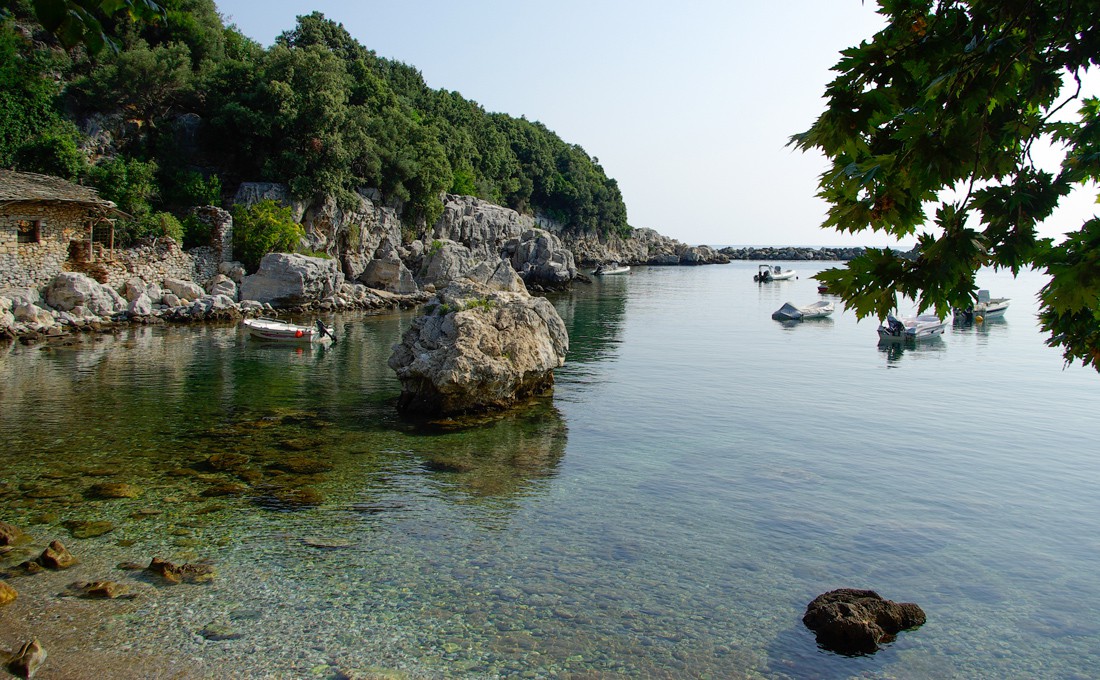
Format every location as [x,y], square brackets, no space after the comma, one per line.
[855,622]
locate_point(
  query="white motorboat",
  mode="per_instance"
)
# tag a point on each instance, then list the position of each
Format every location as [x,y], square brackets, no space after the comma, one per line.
[920,327]
[766,273]
[610,268]
[817,310]
[985,308]
[263,328]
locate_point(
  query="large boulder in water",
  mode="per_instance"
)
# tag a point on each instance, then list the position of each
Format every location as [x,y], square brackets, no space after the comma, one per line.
[478,349]
[69,290]
[289,280]
[854,622]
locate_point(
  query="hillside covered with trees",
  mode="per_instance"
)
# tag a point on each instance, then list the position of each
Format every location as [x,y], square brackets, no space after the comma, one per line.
[184,108]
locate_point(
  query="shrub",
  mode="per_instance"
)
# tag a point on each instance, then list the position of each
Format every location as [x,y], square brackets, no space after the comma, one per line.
[262,228]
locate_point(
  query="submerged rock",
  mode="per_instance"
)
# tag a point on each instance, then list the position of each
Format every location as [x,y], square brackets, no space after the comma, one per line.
[27,660]
[182,573]
[56,556]
[109,490]
[10,534]
[477,349]
[854,622]
[7,594]
[88,529]
[97,590]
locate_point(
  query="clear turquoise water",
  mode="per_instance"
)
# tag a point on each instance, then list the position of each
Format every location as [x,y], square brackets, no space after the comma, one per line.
[700,474]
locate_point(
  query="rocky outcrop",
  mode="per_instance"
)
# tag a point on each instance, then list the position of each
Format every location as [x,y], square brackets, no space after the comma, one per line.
[477,349]
[288,279]
[643,246]
[388,273]
[854,622]
[483,227]
[541,260]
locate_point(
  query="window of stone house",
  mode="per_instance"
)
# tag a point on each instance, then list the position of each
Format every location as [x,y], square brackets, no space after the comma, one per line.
[30,231]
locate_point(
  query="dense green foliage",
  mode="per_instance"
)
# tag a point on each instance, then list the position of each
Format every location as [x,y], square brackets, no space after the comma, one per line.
[262,228]
[205,108]
[944,107]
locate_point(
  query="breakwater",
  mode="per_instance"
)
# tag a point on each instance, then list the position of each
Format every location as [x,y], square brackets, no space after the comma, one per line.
[836,253]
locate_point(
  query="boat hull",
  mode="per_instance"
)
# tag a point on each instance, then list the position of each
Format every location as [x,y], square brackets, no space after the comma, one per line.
[917,329]
[281,331]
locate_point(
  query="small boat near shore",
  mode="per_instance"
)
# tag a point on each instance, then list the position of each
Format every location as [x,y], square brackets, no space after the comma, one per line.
[263,328]
[766,273]
[817,310]
[985,308]
[914,328]
[609,269]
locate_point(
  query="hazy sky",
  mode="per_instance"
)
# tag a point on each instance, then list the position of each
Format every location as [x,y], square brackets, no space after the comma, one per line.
[687,105]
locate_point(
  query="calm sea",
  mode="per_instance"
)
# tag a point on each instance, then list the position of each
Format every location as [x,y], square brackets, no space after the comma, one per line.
[700,474]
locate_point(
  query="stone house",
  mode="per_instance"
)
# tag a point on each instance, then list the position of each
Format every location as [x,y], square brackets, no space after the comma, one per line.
[49,225]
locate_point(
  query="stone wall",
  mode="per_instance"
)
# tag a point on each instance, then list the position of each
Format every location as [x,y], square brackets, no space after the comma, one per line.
[33,265]
[153,262]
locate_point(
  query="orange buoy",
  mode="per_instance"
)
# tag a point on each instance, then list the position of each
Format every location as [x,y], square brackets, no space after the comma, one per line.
[298,333]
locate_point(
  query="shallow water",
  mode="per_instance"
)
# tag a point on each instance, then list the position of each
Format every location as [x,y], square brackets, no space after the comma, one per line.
[700,474]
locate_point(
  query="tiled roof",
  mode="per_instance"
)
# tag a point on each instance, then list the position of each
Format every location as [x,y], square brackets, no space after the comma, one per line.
[29,186]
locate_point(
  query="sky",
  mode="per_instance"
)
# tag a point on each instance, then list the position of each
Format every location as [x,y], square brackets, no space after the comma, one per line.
[688,106]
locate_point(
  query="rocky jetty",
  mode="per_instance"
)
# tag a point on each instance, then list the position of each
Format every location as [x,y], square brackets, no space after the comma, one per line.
[840,253]
[792,253]
[856,622]
[477,349]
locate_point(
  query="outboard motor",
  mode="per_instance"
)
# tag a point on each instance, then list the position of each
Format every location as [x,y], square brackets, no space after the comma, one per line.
[324,330]
[893,326]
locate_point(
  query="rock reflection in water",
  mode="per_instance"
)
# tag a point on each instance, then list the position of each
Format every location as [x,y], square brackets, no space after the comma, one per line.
[499,459]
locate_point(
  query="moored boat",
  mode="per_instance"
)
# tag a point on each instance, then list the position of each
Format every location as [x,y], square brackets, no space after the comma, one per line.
[817,310]
[766,273]
[985,308]
[610,268]
[263,328]
[920,327]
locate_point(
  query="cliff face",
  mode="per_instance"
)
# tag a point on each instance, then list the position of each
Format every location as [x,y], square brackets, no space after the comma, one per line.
[372,232]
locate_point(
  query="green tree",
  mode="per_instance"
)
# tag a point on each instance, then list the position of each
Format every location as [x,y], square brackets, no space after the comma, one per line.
[262,228]
[944,107]
[86,22]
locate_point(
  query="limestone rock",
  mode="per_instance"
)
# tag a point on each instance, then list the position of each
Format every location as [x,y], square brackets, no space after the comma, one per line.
[222,285]
[540,259]
[185,290]
[70,289]
[388,273]
[476,349]
[497,275]
[855,622]
[290,279]
[140,306]
[482,227]
[445,261]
